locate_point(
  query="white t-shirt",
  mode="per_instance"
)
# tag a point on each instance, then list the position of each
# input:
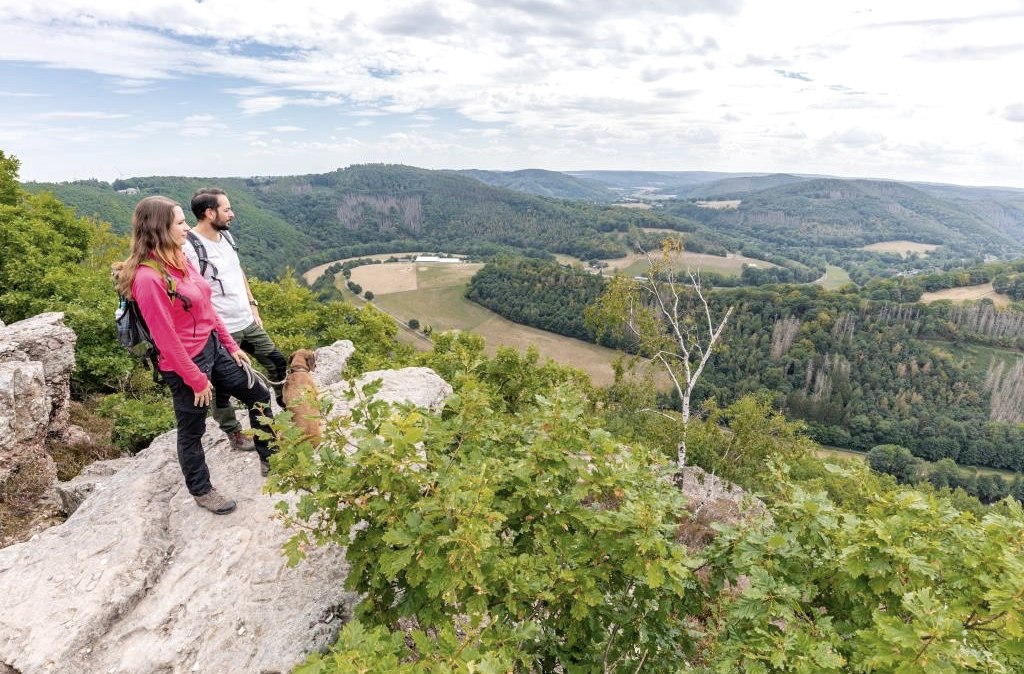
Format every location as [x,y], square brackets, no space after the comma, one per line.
[229,296]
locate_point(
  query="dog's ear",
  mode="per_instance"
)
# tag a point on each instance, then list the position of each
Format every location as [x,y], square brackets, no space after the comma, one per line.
[311,360]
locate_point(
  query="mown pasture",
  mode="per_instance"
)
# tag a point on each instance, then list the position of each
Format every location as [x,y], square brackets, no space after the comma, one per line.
[834,278]
[433,294]
[904,248]
[968,294]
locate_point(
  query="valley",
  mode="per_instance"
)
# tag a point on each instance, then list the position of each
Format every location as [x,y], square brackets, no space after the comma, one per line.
[434,295]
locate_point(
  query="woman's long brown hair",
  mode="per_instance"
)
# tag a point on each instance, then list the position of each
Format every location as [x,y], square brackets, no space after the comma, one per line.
[151,235]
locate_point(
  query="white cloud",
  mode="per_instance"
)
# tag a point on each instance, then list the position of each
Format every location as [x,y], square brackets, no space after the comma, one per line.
[260,104]
[645,84]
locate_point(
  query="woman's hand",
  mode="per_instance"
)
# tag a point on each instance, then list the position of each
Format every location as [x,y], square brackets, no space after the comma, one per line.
[204,397]
[241,357]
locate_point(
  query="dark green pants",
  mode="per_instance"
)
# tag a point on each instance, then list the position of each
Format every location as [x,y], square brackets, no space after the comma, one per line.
[255,341]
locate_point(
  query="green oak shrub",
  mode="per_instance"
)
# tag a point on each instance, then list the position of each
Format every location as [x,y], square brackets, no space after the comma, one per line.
[548,545]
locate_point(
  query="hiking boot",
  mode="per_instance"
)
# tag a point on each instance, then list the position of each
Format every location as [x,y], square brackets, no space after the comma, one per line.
[215,503]
[264,467]
[241,442]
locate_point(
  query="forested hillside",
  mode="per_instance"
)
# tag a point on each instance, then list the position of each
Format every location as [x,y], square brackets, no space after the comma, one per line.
[827,221]
[733,188]
[545,184]
[798,224]
[305,220]
[268,241]
[860,372]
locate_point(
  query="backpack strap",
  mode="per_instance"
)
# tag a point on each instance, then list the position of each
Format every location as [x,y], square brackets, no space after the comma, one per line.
[172,284]
[231,240]
[204,259]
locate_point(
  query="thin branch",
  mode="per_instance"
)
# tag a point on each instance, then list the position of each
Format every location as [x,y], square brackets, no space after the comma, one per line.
[659,412]
[641,663]
[611,637]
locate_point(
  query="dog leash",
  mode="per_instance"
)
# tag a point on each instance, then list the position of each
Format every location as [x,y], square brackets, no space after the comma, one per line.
[252,375]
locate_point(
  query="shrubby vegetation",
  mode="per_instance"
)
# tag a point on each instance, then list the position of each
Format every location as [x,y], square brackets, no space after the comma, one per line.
[518,534]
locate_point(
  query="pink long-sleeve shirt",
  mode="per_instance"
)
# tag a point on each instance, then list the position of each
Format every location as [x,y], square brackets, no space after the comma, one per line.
[179,335]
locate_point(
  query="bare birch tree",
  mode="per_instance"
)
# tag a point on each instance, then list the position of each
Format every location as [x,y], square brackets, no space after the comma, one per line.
[669,321]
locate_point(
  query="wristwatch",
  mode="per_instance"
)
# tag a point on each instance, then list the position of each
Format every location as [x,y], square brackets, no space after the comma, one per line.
[254,303]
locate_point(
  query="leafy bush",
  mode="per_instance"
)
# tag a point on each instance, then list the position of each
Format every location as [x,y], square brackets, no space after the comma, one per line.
[907,583]
[137,420]
[549,544]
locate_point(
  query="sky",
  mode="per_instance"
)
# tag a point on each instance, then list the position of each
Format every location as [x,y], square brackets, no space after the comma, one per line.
[925,90]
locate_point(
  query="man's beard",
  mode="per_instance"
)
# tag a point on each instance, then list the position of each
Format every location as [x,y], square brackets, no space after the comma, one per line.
[221,225]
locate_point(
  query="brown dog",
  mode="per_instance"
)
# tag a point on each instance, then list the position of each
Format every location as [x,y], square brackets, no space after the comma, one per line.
[300,395]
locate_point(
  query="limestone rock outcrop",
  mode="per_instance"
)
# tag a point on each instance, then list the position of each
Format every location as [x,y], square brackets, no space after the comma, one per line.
[37,356]
[418,385]
[45,339]
[140,579]
[712,500]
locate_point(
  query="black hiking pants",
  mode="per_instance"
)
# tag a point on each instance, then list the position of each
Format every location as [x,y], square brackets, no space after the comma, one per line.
[225,375]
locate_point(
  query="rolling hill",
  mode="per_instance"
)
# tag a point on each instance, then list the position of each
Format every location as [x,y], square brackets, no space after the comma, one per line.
[546,184]
[304,220]
[801,222]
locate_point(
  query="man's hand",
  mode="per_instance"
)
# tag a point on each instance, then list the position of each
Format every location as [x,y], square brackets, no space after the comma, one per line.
[256,316]
[241,357]
[204,397]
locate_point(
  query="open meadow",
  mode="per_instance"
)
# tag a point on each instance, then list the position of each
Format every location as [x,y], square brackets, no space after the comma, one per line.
[720,204]
[904,248]
[966,294]
[635,264]
[834,278]
[313,273]
[433,294]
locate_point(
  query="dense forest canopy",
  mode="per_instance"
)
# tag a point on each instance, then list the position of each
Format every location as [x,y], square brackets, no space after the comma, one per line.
[860,371]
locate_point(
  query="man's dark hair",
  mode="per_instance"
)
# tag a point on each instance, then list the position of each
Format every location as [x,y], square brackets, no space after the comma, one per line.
[205,198]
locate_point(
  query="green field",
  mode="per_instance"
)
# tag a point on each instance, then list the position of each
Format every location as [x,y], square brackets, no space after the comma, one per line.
[834,278]
[438,301]
[826,451]
[635,264]
[904,248]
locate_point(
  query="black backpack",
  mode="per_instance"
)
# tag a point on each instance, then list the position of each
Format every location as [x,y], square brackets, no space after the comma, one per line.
[132,331]
[204,259]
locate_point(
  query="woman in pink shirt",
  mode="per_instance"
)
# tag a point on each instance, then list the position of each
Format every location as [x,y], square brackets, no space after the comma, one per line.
[197,352]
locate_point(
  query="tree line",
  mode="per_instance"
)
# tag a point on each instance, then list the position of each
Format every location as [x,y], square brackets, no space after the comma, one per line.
[859,372]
